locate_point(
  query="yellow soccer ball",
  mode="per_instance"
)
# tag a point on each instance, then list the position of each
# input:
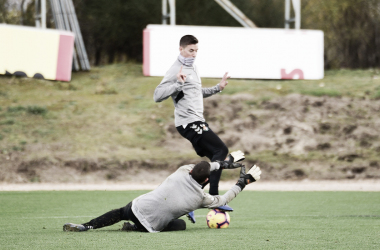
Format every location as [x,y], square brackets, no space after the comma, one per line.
[218,219]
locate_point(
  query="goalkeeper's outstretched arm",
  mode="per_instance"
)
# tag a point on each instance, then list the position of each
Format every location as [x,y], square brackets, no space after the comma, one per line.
[214,201]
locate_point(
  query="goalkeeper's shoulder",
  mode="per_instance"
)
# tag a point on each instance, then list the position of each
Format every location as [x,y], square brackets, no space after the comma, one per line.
[187,168]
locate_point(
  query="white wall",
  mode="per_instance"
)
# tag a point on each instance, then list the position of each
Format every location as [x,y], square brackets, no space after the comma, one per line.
[244,53]
[30,51]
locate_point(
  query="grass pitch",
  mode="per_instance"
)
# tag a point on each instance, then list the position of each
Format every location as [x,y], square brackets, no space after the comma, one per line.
[261,220]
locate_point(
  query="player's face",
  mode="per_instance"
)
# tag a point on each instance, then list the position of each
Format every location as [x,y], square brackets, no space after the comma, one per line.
[190,51]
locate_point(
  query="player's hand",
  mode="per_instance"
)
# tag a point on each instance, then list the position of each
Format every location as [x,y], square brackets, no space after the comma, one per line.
[236,156]
[223,83]
[253,174]
[181,77]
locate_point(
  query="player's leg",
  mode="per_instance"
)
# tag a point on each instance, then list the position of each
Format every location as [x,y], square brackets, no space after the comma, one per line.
[107,219]
[175,225]
[194,132]
[217,150]
[104,220]
[206,143]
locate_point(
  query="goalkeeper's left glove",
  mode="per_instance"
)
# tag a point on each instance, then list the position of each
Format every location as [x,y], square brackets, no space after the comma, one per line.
[252,176]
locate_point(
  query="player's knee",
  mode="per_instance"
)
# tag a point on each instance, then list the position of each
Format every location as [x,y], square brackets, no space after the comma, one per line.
[223,152]
[124,212]
[220,153]
[177,225]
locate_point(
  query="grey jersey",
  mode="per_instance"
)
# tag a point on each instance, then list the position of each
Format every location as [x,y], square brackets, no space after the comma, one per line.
[187,97]
[178,195]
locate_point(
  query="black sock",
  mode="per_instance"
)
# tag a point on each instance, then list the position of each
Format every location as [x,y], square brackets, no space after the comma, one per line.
[214,182]
[107,219]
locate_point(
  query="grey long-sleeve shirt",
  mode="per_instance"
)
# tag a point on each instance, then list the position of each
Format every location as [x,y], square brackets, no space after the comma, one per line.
[187,97]
[179,194]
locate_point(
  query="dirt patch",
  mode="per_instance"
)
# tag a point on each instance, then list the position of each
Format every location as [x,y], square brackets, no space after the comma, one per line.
[85,171]
[292,138]
[298,137]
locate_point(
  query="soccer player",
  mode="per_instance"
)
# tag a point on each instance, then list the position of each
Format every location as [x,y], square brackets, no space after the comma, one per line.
[183,84]
[179,194]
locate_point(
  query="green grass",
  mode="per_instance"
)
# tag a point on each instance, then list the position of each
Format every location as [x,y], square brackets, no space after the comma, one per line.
[336,83]
[261,220]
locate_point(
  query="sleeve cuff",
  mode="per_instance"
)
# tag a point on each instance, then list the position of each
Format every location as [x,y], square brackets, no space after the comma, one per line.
[214,166]
[179,86]
[240,186]
[218,88]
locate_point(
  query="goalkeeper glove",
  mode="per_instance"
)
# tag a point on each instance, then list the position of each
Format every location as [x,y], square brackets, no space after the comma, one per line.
[252,176]
[236,156]
[227,165]
[233,158]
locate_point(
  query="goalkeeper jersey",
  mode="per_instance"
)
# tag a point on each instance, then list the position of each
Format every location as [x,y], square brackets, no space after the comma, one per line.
[178,195]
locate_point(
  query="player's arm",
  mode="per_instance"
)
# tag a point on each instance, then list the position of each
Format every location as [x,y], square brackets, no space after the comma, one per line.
[216,89]
[171,84]
[253,175]
[214,201]
[232,160]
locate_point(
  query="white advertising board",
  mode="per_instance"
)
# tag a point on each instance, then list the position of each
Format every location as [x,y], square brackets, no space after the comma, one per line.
[34,52]
[244,53]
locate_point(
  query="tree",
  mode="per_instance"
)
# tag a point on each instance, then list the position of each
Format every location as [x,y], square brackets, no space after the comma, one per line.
[351,30]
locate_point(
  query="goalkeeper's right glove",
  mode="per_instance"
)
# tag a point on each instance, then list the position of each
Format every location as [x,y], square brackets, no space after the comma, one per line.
[252,176]
[233,160]
[236,156]
[227,165]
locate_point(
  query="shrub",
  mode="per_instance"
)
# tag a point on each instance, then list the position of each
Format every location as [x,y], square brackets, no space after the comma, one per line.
[322,92]
[7,122]
[15,109]
[36,110]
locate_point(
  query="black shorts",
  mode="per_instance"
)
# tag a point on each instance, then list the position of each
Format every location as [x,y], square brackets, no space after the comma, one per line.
[205,142]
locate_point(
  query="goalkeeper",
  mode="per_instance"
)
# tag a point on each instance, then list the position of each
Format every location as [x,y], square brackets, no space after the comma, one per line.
[179,194]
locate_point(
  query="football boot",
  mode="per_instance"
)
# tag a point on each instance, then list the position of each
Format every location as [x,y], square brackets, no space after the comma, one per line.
[191,216]
[225,208]
[75,227]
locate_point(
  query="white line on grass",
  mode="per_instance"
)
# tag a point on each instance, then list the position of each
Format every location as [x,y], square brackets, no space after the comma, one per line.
[57,217]
[203,216]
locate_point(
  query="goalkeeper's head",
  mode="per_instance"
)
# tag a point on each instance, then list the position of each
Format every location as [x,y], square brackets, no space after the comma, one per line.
[201,172]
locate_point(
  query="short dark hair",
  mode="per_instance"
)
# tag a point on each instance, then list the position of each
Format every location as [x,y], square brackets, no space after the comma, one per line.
[188,39]
[201,171]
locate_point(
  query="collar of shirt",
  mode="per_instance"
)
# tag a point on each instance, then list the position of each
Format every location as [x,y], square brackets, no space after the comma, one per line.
[186,61]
